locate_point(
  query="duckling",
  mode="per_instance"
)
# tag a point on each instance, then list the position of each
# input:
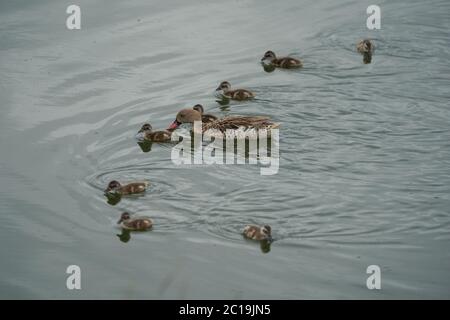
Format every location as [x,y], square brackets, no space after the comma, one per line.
[146,133]
[131,188]
[205,117]
[224,89]
[258,233]
[366,48]
[286,62]
[134,224]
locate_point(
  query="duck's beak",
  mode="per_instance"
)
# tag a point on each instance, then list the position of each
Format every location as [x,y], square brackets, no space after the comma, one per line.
[174,125]
[120,220]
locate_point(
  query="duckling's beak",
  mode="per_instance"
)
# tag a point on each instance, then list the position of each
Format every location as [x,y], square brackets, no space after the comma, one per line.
[120,221]
[174,125]
[218,88]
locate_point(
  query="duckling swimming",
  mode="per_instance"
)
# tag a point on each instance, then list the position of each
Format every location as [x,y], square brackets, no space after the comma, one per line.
[366,48]
[136,223]
[270,58]
[224,90]
[135,187]
[205,117]
[258,233]
[146,133]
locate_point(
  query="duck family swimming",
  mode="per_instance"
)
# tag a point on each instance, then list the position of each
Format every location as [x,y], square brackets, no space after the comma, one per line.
[221,125]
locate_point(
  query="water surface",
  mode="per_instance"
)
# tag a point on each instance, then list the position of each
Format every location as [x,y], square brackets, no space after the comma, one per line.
[364,150]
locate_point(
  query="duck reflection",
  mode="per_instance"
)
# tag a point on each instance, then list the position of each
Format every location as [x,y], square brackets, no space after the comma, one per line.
[146,146]
[125,236]
[113,198]
[265,245]
[268,67]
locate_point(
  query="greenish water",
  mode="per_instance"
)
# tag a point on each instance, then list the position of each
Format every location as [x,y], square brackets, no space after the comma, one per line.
[364,150]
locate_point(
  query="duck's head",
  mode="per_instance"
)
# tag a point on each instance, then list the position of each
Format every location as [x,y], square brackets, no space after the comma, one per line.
[224,86]
[146,127]
[269,56]
[113,186]
[366,45]
[267,232]
[185,116]
[124,217]
[199,108]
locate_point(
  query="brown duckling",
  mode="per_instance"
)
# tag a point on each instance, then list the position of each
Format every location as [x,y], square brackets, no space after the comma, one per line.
[258,233]
[130,188]
[205,117]
[136,223]
[224,89]
[232,123]
[286,62]
[366,48]
[146,133]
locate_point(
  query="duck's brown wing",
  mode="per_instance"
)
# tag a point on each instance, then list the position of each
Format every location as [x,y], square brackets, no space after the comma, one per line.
[236,122]
[241,94]
[289,62]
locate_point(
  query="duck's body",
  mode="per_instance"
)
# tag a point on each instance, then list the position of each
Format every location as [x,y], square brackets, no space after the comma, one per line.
[231,125]
[270,58]
[366,48]
[258,232]
[114,187]
[225,90]
[135,223]
[146,133]
[206,118]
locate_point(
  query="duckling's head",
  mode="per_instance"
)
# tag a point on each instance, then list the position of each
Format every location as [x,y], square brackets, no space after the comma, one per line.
[365,46]
[267,232]
[146,127]
[269,56]
[124,217]
[113,186]
[224,86]
[199,108]
[185,116]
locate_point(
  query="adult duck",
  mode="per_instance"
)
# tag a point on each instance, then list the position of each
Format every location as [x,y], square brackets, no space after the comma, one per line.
[235,125]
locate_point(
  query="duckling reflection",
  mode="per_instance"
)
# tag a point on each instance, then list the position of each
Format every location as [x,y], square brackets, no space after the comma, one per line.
[265,245]
[146,146]
[125,236]
[268,67]
[113,198]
